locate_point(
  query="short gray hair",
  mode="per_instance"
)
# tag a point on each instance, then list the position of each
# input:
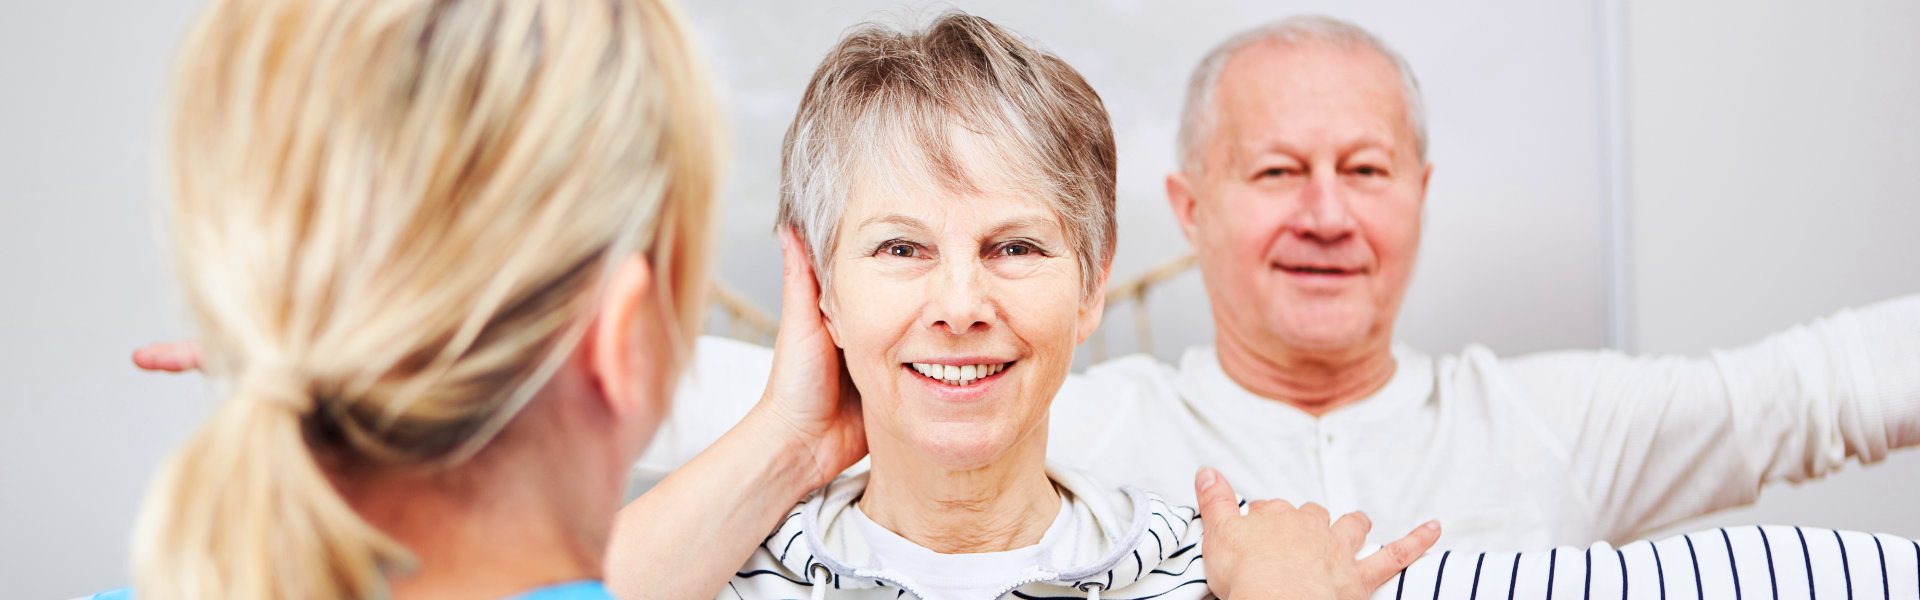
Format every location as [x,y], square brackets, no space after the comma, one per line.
[882,93]
[1197,118]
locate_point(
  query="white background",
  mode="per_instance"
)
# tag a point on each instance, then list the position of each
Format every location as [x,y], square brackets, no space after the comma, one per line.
[1764,154]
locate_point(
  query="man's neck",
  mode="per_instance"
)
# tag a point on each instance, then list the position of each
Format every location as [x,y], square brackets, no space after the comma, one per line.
[1003,506]
[490,543]
[1317,383]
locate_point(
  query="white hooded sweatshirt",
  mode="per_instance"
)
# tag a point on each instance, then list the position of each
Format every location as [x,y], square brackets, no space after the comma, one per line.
[1124,543]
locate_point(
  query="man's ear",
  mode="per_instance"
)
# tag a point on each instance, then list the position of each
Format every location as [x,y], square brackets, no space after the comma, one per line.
[1426,175]
[625,333]
[1180,198]
[1095,307]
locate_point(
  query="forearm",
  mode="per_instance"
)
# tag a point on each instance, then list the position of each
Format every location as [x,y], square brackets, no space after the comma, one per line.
[1845,386]
[684,538]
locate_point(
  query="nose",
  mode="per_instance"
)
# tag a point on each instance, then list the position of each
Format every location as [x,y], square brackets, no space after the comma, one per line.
[959,302]
[1323,214]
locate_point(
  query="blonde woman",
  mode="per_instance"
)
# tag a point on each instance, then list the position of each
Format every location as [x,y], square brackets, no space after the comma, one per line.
[445,259]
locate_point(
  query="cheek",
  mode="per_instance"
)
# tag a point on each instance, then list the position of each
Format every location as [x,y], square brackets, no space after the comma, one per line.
[869,316]
[1392,228]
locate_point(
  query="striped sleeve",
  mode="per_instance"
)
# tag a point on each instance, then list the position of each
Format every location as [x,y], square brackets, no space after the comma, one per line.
[1758,562]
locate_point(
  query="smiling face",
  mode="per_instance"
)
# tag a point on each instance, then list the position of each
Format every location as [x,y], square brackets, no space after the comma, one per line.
[1305,216]
[958,312]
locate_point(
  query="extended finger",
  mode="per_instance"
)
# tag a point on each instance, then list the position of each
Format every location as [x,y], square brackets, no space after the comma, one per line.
[1394,557]
[799,291]
[175,357]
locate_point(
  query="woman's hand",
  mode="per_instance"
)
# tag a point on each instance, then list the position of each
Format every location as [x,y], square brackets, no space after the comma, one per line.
[1279,551]
[810,399]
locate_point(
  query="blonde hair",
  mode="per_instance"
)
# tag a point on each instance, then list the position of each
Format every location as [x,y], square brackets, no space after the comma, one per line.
[1197,117]
[391,219]
[886,100]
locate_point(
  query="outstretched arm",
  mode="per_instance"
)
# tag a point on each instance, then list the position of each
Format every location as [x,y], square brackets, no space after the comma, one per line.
[1657,440]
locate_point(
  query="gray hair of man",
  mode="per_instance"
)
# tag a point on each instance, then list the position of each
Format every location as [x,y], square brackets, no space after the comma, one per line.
[1197,118]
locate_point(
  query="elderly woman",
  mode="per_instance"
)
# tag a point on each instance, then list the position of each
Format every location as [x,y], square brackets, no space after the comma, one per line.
[954,188]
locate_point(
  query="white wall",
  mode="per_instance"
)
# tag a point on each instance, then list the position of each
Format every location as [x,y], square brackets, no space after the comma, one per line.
[1770,184]
[1773,165]
[84,282]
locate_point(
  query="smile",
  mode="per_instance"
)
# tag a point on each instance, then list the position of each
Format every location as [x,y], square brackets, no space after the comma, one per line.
[1315,270]
[958,375]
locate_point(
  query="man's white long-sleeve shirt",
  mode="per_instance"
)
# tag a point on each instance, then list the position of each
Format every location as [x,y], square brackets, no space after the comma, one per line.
[1553,449]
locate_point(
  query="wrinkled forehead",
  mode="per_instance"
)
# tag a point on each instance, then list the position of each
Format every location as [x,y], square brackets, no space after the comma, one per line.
[1312,92]
[931,153]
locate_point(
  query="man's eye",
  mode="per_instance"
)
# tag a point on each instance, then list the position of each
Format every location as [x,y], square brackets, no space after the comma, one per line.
[1369,171]
[1276,172]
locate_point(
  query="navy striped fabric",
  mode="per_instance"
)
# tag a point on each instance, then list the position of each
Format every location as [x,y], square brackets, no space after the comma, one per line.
[1738,563]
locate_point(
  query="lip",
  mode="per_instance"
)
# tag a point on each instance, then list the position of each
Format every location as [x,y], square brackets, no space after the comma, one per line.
[1318,276]
[959,394]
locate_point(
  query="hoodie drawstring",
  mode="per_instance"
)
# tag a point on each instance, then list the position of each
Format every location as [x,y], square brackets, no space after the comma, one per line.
[1092,590]
[821,577]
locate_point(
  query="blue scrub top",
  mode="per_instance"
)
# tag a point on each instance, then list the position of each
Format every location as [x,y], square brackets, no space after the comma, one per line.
[578,590]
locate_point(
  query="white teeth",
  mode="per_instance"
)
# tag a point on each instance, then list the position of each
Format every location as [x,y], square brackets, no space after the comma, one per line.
[958,374]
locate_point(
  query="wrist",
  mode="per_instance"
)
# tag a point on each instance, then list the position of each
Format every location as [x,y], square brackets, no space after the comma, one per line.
[791,466]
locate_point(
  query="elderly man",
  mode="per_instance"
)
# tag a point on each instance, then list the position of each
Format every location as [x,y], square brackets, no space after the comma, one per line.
[1302,181]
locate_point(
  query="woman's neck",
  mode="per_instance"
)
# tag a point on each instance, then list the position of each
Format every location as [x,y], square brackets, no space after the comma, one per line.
[1003,506]
[493,542]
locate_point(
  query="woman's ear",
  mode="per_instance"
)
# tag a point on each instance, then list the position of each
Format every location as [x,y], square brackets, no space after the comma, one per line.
[628,338]
[1095,305]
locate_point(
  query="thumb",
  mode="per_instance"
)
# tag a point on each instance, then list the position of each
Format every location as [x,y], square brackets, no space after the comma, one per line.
[1215,495]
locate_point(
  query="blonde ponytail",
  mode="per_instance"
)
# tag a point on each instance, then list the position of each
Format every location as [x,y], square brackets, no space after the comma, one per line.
[391,219]
[247,491]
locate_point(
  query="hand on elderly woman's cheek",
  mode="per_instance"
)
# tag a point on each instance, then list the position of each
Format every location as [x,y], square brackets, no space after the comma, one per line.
[808,392]
[1279,551]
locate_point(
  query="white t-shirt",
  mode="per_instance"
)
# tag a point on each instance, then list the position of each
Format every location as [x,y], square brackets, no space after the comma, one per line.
[955,576]
[1535,451]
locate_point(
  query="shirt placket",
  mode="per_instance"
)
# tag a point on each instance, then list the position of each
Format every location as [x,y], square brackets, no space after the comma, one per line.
[1336,468]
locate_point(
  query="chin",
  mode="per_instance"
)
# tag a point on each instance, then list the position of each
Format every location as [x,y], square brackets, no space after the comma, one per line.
[1333,330]
[962,446]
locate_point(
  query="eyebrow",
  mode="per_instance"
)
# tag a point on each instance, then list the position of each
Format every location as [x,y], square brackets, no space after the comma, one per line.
[901,220]
[1344,148]
[1005,226]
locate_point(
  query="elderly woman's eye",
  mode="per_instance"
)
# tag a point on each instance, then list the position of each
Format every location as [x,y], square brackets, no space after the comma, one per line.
[900,250]
[1017,249]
